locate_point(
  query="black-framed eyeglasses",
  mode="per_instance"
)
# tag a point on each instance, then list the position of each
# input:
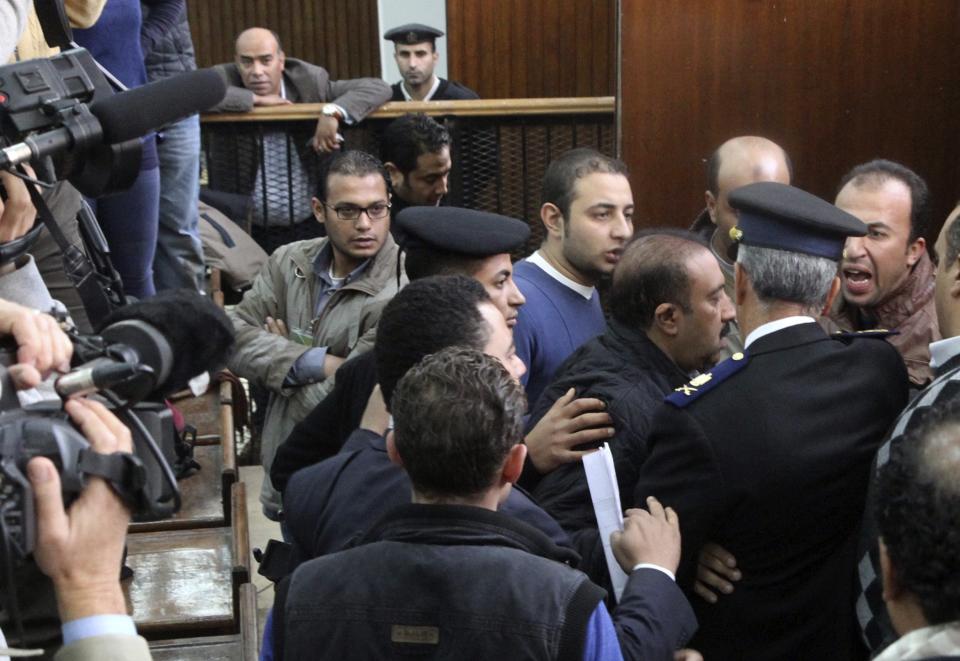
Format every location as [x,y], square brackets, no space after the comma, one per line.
[376,211]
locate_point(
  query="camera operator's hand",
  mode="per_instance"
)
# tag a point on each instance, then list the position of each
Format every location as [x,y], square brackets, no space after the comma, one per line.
[81,550]
[17,212]
[42,344]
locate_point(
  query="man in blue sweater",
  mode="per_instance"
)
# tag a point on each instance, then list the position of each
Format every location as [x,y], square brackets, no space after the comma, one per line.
[587,216]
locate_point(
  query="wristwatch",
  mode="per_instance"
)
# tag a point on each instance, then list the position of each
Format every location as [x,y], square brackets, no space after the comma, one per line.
[331,110]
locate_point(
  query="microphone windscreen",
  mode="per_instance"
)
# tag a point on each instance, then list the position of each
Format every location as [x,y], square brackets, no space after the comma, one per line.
[136,112]
[199,332]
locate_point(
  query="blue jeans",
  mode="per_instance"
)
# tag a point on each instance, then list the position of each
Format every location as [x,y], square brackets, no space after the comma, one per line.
[129,222]
[179,258]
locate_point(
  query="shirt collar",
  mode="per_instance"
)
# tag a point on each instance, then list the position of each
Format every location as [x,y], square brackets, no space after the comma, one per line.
[322,262]
[928,642]
[774,326]
[538,259]
[433,89]
[942,351]
[283,89]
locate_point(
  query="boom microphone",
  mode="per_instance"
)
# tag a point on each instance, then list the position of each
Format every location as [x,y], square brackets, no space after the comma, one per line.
[138,111]
[123,116]
[169,339]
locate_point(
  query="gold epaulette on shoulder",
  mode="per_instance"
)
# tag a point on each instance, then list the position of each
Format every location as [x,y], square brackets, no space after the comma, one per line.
[707,381]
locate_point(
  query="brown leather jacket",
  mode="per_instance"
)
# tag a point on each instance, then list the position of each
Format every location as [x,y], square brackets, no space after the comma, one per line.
[910,311]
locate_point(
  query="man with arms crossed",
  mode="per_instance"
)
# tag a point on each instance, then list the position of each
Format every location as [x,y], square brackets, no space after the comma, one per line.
[316,301]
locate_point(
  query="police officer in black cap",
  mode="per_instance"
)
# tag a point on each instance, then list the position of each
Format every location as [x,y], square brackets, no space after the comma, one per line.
[415,51]
[768,455]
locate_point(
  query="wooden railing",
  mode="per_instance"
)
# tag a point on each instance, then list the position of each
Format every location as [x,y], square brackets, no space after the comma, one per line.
[500,150]
[599,105]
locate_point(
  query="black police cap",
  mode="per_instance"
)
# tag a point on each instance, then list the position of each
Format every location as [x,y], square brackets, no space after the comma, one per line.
[463,231]
[412,33]
[774,215]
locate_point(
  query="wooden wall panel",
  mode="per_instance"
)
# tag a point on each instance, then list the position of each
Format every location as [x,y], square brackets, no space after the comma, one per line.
[533,48]
[835,82]
[339,35]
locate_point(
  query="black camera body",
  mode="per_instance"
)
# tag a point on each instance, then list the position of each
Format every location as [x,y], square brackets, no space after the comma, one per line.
[143,478]
[46,102]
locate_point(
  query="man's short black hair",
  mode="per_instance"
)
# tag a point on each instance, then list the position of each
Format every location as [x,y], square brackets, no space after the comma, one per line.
[424,317]
[456,416]
[652,271]
[879,171]
[351,163]
[918,513]
[563,172]
[409,137]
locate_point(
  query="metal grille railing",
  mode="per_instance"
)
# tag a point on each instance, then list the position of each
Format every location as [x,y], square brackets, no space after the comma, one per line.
[498,160]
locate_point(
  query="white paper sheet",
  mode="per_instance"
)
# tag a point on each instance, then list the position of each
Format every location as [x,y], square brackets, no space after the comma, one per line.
[605,494]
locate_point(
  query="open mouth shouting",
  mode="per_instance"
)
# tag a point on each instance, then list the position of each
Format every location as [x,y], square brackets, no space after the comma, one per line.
[857,279]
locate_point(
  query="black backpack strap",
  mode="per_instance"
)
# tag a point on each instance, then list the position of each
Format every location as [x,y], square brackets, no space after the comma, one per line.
[75,264]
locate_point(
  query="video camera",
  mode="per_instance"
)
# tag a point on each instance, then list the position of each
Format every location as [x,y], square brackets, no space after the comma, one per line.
[144,352]
[48,105]
[62,115]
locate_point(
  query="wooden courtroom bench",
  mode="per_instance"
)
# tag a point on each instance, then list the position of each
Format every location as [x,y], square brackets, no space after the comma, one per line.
[242,646]
[213,411]
[202,412]
[201,496]
[189,582]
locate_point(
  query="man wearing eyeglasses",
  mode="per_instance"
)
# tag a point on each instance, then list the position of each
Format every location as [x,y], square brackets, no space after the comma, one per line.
[317,301]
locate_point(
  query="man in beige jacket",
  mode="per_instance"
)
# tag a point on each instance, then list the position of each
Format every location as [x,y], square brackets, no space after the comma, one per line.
[317,301]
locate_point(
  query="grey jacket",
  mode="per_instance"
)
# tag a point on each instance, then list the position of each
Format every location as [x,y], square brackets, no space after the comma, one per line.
[308,83]
[286,289]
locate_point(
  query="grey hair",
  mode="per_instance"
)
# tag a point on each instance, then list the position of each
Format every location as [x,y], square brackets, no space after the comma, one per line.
[782,275]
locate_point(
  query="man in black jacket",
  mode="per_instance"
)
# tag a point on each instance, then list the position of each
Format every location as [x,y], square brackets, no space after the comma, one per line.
[768,455]
[668,310]
[416,152]
[450,577]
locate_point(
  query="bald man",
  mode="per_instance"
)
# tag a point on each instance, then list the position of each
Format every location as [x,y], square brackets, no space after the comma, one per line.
[737,162]
[261,75]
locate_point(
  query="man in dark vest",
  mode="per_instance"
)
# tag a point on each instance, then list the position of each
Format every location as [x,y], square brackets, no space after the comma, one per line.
[448,575]
[769,454]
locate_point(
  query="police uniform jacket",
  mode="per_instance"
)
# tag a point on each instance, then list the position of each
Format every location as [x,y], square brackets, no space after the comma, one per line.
[769,457]
[447,90]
